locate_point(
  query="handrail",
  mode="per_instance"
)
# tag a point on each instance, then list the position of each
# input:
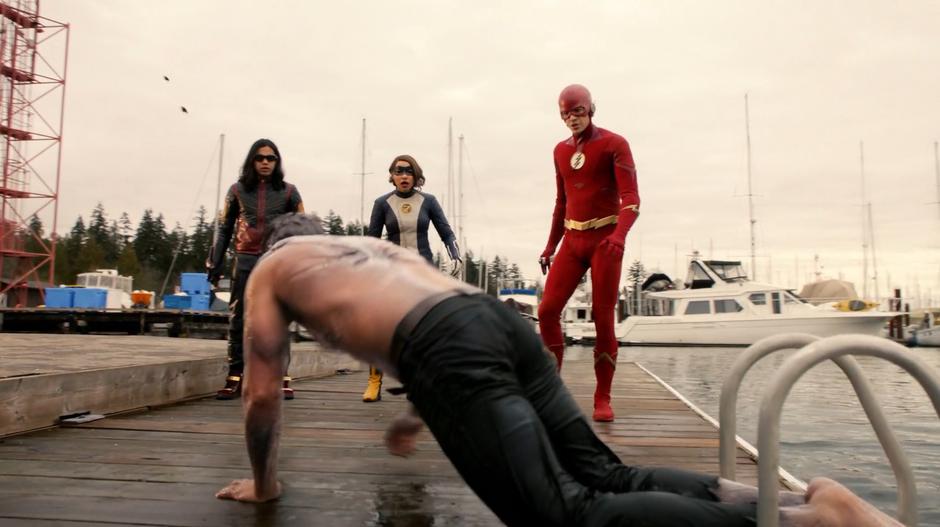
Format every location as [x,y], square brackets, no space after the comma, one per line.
[907,490]
[727,406]
[768,430]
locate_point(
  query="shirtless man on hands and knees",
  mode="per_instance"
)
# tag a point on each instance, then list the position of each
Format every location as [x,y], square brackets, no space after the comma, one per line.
[479,377]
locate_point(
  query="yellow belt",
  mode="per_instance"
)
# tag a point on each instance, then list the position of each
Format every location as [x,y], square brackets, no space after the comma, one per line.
[595,223]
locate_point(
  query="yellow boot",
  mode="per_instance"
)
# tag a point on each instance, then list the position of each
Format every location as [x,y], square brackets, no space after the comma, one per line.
[374,389]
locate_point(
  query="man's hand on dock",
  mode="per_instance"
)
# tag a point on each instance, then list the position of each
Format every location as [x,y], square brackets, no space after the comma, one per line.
[244,490]
[401,438]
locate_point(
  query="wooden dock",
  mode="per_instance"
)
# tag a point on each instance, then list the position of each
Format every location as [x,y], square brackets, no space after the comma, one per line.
[162,466]
[170,322]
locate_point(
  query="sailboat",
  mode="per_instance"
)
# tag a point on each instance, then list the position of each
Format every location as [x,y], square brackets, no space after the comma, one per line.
[929,332]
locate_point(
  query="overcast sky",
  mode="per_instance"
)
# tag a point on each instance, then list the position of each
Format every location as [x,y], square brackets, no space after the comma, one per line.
[669,76]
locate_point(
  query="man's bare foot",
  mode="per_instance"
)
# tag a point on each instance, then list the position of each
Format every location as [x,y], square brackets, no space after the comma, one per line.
[244,490]
[401,438]
[733,492]
[829,504]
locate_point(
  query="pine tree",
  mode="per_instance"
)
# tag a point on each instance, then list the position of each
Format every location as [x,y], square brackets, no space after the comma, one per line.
[199,243]
[471,268]
[334,224]
[100,231]
[635,276]
[128,264]
[90,257]
[495,272]
[71,248]
[34,240]
[63,266]
[355,229]
[125,229]
[513,272]
[146,240]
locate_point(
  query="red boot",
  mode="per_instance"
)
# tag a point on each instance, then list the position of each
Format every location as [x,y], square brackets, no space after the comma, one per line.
[604,366]
[232,389]
[288,391]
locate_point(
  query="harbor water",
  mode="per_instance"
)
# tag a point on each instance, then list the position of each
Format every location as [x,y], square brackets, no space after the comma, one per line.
[824,431]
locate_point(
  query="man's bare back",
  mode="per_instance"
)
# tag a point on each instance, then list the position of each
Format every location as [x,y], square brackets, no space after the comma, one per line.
[354,292]
[351,292]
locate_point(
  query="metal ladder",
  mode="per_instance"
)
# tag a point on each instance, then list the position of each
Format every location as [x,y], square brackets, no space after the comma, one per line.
[812,351]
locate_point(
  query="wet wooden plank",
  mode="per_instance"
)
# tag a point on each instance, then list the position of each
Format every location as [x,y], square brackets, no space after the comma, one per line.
[162,467]
[45,376]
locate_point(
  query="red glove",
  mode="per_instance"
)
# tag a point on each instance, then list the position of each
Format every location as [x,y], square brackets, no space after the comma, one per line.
[545,261]
[612,246]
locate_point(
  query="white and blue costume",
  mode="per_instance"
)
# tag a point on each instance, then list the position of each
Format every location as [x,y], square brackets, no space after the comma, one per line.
[405,217]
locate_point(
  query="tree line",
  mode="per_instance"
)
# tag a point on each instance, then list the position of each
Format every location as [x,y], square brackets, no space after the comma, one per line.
[152,253]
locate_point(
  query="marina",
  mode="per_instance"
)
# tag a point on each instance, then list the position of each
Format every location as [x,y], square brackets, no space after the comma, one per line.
[123,281]
[161,464]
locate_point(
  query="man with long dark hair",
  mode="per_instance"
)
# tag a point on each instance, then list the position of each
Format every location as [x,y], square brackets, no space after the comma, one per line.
[259,196]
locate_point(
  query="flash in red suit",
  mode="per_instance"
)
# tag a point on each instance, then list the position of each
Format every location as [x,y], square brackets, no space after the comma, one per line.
[595,206]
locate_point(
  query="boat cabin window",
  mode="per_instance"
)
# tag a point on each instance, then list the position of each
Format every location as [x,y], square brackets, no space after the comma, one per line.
[728,271]
[775,300]
[659,307]
[581,314]
[727,305]
[789,298]
[698,307]
[698,278]
[758,299]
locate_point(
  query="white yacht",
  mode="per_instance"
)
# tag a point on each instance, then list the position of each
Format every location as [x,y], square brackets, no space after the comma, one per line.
[521,294]
[928,334]
[720,306]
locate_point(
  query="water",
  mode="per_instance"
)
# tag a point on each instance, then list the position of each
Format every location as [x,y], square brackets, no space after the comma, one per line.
[824,430]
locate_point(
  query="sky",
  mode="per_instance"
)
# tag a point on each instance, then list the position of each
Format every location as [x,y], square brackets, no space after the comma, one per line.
[671,77]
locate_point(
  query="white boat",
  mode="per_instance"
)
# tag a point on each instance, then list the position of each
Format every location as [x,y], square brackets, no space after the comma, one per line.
[721,306]
[119,287]
[521,294]
[928,334]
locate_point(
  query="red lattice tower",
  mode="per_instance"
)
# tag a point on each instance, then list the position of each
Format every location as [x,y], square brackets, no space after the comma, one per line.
[33,63]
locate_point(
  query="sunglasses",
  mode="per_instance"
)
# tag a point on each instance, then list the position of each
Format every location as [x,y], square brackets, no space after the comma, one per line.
[404,170]
[270,159]
[580,111]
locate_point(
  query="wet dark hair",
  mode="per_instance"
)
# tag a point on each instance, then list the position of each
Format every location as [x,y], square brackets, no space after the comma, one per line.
[292,224]
[419,174]
[249,177]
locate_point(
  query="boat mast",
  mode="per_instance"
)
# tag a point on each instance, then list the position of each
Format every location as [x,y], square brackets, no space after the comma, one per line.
[362,181]
[459,217]
[936,162]
[750,194]
[874,259]
[218,190]
[865,224]
[450,168]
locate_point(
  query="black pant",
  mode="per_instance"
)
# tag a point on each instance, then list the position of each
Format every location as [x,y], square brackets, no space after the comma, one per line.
[480,379]
[244,264]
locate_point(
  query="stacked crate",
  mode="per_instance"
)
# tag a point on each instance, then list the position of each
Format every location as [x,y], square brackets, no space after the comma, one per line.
[90,298]
[196,285]
[60,297]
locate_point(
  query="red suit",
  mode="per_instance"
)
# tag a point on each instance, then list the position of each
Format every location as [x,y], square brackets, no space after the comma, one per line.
[595,206]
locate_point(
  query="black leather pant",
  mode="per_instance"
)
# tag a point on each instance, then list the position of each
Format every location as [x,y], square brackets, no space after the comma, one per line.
[481,380]
[244,264]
